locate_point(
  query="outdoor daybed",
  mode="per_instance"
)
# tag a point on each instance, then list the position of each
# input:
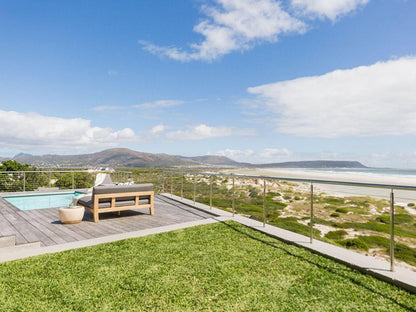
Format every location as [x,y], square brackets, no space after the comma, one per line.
[111,197]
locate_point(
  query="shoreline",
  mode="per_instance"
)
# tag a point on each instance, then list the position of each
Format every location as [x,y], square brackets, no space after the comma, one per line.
[401,196]
[347,176]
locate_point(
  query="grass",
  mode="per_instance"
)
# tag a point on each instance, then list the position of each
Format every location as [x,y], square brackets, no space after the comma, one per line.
[217,267]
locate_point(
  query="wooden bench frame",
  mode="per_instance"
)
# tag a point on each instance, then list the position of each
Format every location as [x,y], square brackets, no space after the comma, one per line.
[113,196]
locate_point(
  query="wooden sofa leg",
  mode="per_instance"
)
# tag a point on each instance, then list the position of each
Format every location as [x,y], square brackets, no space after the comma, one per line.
[151,209]
[95,216]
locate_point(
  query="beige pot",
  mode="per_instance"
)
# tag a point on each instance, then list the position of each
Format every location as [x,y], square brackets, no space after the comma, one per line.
[70,215]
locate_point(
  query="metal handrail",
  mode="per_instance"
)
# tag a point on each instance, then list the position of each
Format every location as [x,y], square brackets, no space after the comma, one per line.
[392,187]
[24,174]
[349,183]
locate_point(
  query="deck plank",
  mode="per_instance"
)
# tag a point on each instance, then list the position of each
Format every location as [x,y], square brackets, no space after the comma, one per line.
[43,224]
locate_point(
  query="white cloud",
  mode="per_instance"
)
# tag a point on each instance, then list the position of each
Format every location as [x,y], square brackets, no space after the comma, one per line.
[267,155]
[106,107]
[363,101]
[34,131]
[331,9]
[233,25]
[238,25]
[202,131]
[159,104]
[144,106]
[157,130]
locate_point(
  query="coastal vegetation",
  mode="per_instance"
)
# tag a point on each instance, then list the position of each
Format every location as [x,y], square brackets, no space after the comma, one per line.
[348,221]
[216,267]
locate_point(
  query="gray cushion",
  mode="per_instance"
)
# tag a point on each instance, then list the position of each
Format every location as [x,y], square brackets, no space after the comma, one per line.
[108,189]
[86,201]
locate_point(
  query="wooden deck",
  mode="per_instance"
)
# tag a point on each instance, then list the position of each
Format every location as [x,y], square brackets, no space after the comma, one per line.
[43,224]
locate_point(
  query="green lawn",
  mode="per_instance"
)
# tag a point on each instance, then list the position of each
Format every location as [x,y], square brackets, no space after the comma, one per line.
[217,267]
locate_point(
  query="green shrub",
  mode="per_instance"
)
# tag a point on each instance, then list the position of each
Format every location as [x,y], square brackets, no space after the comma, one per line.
[410,204]
[383,219]
[330,207]
[291,224]
[76,179]
[401,252]
[405,253]
[326,222]
[375,241]
[333,200]
[272,216]
[334,215]
[342,210]
[336,234]
[398,219]
[273,194]
[353,243]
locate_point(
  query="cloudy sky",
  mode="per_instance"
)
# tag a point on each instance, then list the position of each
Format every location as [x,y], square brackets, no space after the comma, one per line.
[254,80]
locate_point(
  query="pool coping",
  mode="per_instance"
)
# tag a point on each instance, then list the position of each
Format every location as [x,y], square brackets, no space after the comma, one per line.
[34,193]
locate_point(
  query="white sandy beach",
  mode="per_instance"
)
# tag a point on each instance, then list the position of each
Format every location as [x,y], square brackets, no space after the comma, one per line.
[401,196]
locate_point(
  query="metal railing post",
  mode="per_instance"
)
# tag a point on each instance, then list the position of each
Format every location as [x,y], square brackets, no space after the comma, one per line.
[182,187]
[233,204]
[24,181]
[171,184]
[49,183]
[210,192]
[73,180]
[392,245]
[194,187]
[264,203]
[311,222]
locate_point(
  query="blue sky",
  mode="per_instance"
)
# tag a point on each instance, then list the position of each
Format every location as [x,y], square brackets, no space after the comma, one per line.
[254,80]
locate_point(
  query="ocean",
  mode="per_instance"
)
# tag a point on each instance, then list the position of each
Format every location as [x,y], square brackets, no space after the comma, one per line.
[390,177]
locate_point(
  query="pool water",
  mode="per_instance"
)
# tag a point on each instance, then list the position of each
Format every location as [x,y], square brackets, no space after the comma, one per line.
[41,201]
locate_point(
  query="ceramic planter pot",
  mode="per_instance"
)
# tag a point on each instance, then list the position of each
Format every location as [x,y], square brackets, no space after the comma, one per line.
[70,215]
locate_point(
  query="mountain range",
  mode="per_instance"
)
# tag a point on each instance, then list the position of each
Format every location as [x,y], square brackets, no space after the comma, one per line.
[123,157]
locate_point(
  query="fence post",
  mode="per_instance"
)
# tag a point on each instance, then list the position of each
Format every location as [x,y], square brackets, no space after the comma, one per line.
[392,245]
[73,180]
[194,187]
[233,204]
[264,203]
[311,222]
[24,181]
[182,186]
[210,192]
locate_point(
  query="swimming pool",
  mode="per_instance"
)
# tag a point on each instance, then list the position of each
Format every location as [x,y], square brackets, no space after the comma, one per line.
[41,201]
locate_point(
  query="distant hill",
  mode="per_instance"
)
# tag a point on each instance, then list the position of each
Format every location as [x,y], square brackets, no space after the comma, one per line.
[319,164]
[124,157]
[214,160]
